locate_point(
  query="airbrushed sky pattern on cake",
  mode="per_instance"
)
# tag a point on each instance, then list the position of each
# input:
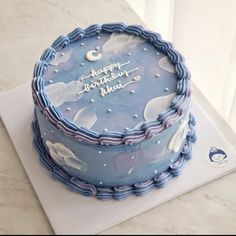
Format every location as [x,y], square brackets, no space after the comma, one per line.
[133,82]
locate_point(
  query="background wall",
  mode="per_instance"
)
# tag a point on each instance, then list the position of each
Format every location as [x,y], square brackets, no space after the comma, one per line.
[204,31]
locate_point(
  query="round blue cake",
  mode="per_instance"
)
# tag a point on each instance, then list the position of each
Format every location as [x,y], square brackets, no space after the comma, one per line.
[112,110]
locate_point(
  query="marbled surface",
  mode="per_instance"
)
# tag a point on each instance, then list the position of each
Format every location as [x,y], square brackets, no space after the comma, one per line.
[27,28]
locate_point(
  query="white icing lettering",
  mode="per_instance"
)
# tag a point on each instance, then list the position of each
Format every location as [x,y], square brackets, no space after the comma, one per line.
[107,89]
[86,88]
[134,80]
[105,70]
[106,75]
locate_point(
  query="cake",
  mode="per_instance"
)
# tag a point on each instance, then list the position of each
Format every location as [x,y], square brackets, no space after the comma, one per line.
[112,110]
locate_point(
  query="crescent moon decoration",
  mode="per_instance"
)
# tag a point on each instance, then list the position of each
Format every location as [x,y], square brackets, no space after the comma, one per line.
[93,55]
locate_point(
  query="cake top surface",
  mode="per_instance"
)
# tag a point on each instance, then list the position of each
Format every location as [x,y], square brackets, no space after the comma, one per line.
[114,81]
[110,82]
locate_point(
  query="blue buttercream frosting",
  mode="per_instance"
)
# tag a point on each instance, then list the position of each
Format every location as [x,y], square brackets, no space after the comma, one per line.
[112,110]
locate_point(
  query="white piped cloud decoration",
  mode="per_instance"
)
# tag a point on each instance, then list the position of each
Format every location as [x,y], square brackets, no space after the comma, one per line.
[118,42]
[61,58]
[65,157]
[138,126]
[178,137]
[165,64]
[60,92]
[157,105]
[85,117]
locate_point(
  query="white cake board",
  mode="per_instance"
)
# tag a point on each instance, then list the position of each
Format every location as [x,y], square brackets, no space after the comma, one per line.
[71,213]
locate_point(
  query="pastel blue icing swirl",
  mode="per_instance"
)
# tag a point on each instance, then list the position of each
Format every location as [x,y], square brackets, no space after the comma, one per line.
[76,34]
[122,192]
[48,54]
[111,138]
[61,42]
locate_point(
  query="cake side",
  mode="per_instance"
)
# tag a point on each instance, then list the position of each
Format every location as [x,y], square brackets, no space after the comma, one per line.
[111,166]
[118,192]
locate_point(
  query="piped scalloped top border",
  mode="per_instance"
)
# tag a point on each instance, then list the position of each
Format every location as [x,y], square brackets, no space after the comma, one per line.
[148,129]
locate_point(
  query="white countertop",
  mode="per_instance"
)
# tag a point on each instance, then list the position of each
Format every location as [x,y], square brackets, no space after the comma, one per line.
[27,28]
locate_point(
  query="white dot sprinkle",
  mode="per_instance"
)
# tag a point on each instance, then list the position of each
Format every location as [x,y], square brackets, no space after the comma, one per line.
[132,91]
[126,128]
[166,89]
[82,44]
[45,134]
[119,81]
[155,171]
[105,130]
[68,108]
[41,136]
[92,100]
[55,71]
[99,152]
[157,75]
[158,142]
[52,131]
[62,53]
[98,37]
[100,182]
[144,49]
[109,110]
[97,48]
[157,53]
[50,81]
[135,116]
[104,165]
[129,54]
[82,64]
[132,157]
